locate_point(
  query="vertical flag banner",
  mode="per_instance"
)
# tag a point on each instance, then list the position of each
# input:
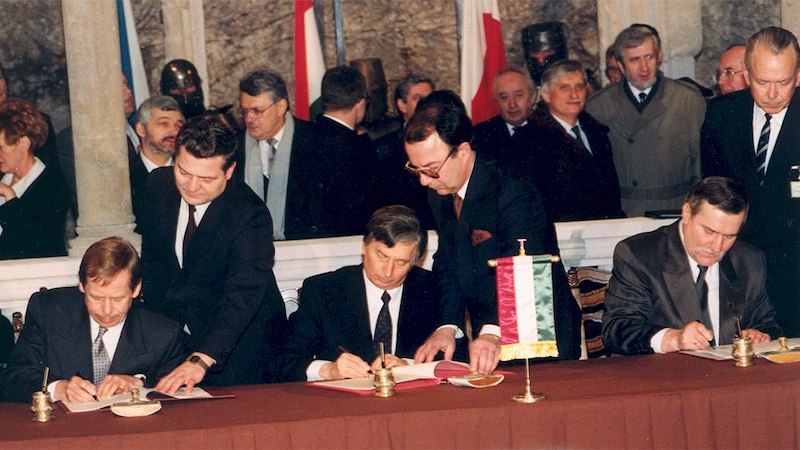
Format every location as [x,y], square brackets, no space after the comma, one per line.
[525,307]
[309,67]
[482,57]
[131,53]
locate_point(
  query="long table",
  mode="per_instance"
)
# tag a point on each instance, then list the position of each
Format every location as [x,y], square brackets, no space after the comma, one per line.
[652,401]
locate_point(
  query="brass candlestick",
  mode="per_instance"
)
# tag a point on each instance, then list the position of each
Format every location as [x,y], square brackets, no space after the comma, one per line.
[384,383]
[42,407]
[742,352]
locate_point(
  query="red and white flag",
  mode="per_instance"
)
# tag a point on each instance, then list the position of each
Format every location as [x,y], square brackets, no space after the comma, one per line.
[482,57]
[309,67]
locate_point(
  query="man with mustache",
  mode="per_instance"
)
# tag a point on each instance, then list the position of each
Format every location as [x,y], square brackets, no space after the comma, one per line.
[157,124]
[682,286]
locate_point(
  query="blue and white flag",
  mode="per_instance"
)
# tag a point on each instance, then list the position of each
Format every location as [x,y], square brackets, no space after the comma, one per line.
[131,53]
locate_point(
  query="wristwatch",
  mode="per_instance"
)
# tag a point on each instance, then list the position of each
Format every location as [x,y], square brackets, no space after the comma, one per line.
[196,359]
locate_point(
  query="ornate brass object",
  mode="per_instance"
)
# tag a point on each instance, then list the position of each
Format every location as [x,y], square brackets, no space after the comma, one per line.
[742,352]
[384,383]
[42,407]
[136,407]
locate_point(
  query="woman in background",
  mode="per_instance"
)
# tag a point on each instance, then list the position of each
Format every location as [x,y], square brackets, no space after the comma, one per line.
[33,196]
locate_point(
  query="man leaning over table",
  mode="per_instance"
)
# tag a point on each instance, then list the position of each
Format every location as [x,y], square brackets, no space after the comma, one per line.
[95,338]
[342,318]
[681,286]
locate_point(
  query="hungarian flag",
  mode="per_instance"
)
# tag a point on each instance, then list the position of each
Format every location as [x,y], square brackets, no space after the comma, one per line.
[309,67]
[131,53]
[482,57]
[525,307]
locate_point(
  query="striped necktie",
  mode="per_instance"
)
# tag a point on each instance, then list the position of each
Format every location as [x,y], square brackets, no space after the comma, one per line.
[761,150]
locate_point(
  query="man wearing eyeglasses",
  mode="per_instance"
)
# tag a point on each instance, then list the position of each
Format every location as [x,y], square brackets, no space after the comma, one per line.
[752,137]
[730,70]
[278,157]
[483,212]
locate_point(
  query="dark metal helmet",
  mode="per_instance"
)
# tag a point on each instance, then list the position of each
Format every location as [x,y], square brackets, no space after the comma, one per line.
[544,43]
[180,80]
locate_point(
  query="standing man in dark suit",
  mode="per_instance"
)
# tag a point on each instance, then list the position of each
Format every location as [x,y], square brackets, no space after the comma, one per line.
[496,138]
[393,185]
[94,338]
[681,287]
[349,157]
[572,164]
[158,121]
[752,137]
[207,257]
[483,212]
[335,332]
[279,158]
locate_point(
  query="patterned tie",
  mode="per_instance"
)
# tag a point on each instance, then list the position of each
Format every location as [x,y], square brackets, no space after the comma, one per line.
[100,359]
[191,227]
[458,202]
[642,97]
[761,150]
[701,289]
[383,327]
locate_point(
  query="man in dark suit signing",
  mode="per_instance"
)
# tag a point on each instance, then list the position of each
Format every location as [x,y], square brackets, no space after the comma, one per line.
[681,287]
[343,315]
[207,256]
[752,136]
[95,338]
[482,213]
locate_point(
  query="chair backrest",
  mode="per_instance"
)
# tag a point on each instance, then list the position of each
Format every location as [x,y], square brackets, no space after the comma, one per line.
[589,285]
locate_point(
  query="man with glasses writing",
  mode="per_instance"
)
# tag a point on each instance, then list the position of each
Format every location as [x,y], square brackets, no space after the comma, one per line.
[483,212]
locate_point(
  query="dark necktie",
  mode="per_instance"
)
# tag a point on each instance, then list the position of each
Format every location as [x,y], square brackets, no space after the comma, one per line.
[271,149]
[458,202]
[514,130]
[100,360]
[761,150]
[191,227]
[383,327]
[642,97]
[702,297]
[576,130]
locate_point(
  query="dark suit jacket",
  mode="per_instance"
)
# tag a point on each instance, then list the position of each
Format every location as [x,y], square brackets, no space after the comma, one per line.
[575,184]
[333,313]
[226,292]
[774,216]
[508,208]
[493,141]
[138,175]
[652,287]
[57,335]
[394,185]
[33,225]
[350,162]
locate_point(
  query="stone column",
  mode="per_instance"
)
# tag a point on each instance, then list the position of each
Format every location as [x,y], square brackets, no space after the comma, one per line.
[185,36]
[91,38]
[679,24]
[790,15]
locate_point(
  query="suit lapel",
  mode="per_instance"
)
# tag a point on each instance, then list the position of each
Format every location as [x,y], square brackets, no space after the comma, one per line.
[785,153]
[355,314]
[731,291]
[678,279]
[131,346]
[77,338]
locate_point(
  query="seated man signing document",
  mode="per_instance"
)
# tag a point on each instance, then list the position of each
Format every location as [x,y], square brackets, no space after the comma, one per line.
[96,340]
[345,314]
[682,286]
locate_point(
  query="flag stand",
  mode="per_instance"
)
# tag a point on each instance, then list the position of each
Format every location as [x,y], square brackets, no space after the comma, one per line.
[528,396]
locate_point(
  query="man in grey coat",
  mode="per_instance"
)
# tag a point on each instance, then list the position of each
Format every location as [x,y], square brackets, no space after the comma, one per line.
[655,125]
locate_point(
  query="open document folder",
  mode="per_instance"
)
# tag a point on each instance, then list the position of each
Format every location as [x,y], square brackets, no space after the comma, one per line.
[406,377]
[768,351]
[150,394]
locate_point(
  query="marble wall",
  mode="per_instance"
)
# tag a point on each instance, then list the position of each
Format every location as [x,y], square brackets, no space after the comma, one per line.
[244,34]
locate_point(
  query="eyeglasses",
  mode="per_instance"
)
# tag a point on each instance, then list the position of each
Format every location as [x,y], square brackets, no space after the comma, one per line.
[727,74]
[427,171]
[256,113]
